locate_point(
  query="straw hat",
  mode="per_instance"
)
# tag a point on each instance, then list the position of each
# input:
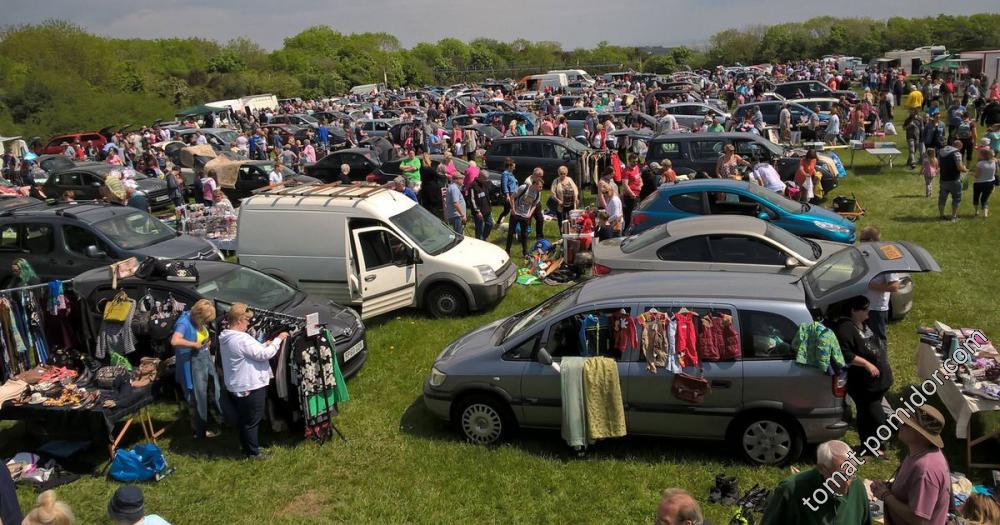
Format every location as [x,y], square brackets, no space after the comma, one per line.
[928,422]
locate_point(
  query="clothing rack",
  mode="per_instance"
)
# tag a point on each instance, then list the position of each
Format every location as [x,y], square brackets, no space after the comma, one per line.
[34,286]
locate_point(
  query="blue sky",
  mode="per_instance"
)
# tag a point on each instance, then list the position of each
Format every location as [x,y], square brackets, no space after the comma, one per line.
[573,23]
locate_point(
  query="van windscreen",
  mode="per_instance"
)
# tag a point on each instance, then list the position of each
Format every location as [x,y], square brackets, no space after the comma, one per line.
[429,232]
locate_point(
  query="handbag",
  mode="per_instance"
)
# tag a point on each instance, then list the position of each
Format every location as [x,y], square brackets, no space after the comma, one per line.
[690,388]
[123,270]
[118,308]
[107,376]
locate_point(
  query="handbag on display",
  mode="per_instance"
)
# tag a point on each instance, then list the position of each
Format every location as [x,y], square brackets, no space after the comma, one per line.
[690,388]
[108,376]
[123,270]
[118,308]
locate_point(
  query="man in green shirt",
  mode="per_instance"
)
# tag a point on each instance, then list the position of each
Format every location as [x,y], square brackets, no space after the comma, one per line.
[828,494]
[410,166]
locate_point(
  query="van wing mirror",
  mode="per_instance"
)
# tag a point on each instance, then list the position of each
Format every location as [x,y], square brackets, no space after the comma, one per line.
[544,357]
[791,262]
[95,253]
[414,256]
[764,216]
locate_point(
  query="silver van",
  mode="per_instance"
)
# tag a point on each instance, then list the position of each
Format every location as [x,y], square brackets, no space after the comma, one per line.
[500,376]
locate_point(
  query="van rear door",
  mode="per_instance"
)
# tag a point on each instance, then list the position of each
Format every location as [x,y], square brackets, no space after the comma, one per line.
[387,274]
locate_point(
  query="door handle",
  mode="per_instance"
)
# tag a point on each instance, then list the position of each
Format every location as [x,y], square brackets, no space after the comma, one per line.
[369,278]
[531,400]
[721,384]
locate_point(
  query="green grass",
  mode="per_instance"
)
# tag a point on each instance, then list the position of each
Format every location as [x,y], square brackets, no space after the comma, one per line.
[400,465]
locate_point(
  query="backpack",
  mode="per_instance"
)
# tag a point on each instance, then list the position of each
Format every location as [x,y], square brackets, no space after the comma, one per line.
[964,131]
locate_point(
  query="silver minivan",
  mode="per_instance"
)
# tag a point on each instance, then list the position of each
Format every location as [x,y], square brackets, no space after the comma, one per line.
[500,376]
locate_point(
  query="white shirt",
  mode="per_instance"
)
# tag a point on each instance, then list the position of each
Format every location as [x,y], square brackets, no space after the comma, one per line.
[614,208]
[768,176]
[245,365]
[275,178]
[879,301]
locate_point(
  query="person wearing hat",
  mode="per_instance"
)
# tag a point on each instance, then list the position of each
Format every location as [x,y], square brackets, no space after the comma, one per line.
[921,490]
[128,507]
[68,150]
[455,202]
[246,371]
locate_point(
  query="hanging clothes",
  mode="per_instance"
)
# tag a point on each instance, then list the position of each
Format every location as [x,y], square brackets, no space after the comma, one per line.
[586,323]
[654,339]
[57,299]
[731,349]
[623,329]
[605,412]
[687,339]
[709,339]
[817,346]
[574,416]
[117,337]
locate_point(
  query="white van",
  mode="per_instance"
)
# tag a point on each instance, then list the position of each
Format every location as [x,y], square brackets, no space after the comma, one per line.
[575,75]
[366,246]
[539,83]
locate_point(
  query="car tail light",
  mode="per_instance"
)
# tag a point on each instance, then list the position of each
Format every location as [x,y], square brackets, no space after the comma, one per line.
[638,218]
[600,269]
[839,386]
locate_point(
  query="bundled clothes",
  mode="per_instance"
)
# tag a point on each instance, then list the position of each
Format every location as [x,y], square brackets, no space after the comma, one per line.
[592,406]
[817,346]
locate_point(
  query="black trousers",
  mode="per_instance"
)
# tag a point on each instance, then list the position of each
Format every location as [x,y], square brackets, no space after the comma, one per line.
[870,412]
[539,223]
[250,412]
[628,206]
[506,210]
[522,236]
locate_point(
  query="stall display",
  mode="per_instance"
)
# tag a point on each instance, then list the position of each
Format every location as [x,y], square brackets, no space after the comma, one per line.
[964,389]
[216,224]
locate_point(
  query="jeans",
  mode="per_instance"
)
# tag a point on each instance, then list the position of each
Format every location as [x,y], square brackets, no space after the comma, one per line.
[914,146]
[484,225]
[202,368]
[522,236]
[981,194]
[456,224]
[871,415]
[950,187]
[878,321]
[250,412]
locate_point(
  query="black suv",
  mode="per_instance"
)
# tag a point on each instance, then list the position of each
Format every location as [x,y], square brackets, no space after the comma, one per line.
[812,89]
[86,180]
[536,151]
[62,240]
[700,151]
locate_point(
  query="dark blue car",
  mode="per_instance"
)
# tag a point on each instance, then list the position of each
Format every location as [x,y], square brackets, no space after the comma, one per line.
[720,196]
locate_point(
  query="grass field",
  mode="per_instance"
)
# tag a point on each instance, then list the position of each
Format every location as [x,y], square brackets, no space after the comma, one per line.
[400,465]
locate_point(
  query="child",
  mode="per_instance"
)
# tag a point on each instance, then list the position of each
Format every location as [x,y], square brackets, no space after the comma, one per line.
[929,170]
[604,230]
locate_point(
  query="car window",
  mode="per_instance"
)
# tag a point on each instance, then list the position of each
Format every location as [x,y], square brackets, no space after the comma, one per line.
[584,334]
[78,239]
[525,350]
[741,249]
[766,335]
[8,237]
[669,150]
[706,149]
[381,248]
[559,151]
[90,178]
[37,238]
[247,173]
[580,114]
[70,179]
[526,149]
[726,203]
[501,149]
[691,249]
[749,149]
[689,202]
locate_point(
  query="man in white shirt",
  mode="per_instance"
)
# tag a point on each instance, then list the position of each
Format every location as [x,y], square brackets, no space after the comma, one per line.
[879,291]
[247,372]
[277,175]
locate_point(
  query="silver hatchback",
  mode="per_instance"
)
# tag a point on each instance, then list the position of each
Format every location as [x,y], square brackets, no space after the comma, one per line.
[500,376]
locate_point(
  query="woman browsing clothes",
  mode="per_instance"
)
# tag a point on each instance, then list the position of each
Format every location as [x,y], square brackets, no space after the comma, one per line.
[195,364]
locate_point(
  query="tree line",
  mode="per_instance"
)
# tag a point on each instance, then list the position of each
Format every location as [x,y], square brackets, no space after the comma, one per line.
[57,77]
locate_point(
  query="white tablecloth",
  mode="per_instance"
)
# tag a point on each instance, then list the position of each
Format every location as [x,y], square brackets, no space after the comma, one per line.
[958,404]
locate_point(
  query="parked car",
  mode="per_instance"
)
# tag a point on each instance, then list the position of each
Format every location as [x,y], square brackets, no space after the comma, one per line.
[378,127]
[254,174]
[700,151]
[301,120]
[392,169]
[576,117]
[499,377]
[688,114]
[771,112]
[812,89]
[86,181]
[824,104]
[52,164]
[363,162]
[379,250]
[226,283]
[732,197]
[63,240]
[507,116]
[220,139]
[463,120]
[531,151]
[55,144]
[730,243]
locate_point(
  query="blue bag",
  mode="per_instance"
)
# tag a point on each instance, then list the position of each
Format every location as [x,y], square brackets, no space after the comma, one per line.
[142,463]
[841,171]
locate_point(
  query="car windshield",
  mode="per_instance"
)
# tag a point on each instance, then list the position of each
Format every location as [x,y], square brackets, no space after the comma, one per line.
[269,167]
[574,146]
[310,119]
[227,137]
[777,199]
[839,269]
[429,232]
[796,244]
[554,306]
[135,230]
[634,243]
[244,285]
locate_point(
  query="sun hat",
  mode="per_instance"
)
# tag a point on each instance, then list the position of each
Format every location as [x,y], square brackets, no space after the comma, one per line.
[127,504]
[928,422]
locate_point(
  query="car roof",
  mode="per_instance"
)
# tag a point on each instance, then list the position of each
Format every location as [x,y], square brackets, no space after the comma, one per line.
[709,135]
[207,271]
[540,138]
[88,211]
[703,185]
[700,285]
[715,224]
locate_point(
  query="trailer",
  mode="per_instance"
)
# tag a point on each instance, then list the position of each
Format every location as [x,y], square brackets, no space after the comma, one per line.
[986,63]
[912,60]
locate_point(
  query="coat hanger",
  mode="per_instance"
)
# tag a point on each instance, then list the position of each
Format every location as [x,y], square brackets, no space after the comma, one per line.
[683,310]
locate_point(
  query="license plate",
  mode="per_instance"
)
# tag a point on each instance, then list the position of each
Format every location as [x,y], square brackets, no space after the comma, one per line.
[161,198]
[354,350]
[510,280]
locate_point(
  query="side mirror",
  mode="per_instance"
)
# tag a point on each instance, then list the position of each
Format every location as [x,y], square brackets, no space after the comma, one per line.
[94,253]
[791,262]
[97,184]
[413,256]
[764,216]
[544,357]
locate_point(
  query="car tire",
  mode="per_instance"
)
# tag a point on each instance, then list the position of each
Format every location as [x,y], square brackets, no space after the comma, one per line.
[483,419]
[446,301]
[767,438]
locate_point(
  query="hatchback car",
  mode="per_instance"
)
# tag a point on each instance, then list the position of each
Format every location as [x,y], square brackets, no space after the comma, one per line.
[529,152]
[501,376]
[688,114]
[731,197]
[86,181]
[771,112]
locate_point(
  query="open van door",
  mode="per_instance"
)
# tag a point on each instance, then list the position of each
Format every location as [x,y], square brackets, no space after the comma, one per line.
[387,275]
[846,273]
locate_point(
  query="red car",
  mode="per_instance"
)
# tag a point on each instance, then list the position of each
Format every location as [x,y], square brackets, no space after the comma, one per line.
[54,145]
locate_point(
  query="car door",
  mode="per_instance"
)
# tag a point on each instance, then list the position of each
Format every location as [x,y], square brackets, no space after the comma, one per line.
[653,409]
[387,275]
[689,253]
[76,243]
[705,153]
[90,186]
[541,386]
[744,253]
[36,243]
[249,178]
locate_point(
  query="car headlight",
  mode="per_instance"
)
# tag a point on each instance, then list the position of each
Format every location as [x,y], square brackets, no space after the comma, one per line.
[486,272]
[495,182]
[437,377]
[831,227]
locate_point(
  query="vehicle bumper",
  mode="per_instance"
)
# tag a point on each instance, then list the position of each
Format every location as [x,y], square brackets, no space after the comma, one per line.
[437,402]
[825,429]
[490,292]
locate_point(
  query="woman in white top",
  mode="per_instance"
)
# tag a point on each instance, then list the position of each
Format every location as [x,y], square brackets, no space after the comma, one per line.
[986,178]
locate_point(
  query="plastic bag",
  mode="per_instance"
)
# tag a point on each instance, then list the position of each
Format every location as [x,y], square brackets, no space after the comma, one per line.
[142,463]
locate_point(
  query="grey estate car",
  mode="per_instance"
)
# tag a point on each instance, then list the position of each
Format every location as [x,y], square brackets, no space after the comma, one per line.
[500,376]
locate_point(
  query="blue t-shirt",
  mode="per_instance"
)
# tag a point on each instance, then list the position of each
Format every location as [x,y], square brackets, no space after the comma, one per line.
[508,183]
[455,197]
[182,354]
[323,134]
[408,191]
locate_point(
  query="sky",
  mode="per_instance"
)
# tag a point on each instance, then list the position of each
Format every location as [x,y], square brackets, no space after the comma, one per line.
[579,23]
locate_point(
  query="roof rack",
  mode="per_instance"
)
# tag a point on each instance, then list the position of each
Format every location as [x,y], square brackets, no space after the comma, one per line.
[333,189]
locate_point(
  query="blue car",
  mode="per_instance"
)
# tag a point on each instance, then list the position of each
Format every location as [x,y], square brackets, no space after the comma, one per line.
[718,196]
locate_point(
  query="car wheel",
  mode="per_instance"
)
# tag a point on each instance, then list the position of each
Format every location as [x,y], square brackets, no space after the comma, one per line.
[446,301]
[483,420]
[767,439]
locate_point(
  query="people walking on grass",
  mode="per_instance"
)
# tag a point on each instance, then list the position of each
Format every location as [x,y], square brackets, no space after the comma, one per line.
[982,185]
[526,201]
[950,178]
[929,170]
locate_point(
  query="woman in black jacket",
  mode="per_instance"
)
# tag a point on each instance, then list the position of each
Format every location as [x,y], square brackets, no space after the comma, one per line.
[869,376]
